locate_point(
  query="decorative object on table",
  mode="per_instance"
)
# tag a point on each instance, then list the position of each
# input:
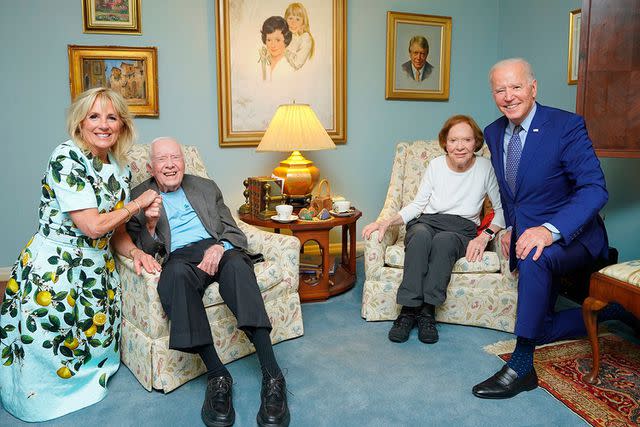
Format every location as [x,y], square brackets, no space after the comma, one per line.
[265,194]
[284,211]
[246,102]
[130,71]
[287,220]
[246,207]
[295,127]
[306,214]
[349,212]
[341,206]
[323,199]
[562,367]
[418,56]
[111,17]
[324,214]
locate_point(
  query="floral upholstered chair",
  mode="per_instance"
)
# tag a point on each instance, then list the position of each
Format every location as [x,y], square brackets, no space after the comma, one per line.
[482,293]
[145,327]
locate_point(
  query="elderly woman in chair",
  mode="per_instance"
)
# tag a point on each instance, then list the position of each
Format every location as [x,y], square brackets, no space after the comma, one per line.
[442,223]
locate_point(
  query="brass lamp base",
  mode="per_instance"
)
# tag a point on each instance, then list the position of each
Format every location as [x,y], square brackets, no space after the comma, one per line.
[299,174]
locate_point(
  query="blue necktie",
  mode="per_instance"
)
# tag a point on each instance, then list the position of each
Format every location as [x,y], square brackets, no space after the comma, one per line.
[514,151]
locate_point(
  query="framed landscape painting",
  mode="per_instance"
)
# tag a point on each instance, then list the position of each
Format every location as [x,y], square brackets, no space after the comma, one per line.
[111,16]
[273,52]
[131,71]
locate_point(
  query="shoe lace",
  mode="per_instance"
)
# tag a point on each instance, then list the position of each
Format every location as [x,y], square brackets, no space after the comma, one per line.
[402,320]
[220,386]
[275,391]
[426,322]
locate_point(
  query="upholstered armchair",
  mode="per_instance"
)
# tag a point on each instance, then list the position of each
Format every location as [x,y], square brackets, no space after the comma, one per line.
[145,327]
[482,293]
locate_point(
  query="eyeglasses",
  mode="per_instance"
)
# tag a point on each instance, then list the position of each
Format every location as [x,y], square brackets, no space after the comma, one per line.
[454,141]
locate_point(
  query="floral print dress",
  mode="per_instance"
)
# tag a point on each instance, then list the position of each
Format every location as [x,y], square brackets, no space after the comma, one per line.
[60,319]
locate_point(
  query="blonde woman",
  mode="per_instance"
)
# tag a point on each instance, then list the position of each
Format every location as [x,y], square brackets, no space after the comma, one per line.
[302,44]
[60,319]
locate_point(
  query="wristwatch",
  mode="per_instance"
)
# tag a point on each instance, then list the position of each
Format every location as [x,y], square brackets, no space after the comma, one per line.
[489,232]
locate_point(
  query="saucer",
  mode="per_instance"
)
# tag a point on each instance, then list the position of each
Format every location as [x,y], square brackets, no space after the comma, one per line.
[292,218]
[339,214]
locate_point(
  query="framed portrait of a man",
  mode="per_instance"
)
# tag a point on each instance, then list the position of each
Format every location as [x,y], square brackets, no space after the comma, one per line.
[274,52]
[418,56]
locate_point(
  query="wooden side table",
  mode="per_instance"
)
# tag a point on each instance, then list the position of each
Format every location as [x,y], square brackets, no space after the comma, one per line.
[345,275]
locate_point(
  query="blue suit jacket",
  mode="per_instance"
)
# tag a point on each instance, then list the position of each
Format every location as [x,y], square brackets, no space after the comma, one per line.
[559,180]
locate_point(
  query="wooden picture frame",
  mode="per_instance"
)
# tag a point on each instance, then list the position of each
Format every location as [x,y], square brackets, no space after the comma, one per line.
[251,87]
[111,17]
[406,35]
[575,21]
[131,71]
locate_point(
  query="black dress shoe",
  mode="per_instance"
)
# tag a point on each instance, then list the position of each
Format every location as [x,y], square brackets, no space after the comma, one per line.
[274,411]
[505,384]
[402,327]
[427,332]
[217,409]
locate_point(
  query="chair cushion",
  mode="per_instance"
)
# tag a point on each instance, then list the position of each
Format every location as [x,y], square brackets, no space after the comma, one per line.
[628,272]
[268,274]
[394,257]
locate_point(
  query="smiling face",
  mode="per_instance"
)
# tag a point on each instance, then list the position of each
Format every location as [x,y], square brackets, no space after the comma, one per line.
[418,55]
[167,164]
[460,145]
[514,92]
[275,44]
[295,23]
[100,128]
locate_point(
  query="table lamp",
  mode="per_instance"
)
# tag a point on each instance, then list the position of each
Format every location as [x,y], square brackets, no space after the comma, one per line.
[294,128]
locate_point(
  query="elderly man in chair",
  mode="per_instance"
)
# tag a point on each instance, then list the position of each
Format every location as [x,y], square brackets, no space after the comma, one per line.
[191,227]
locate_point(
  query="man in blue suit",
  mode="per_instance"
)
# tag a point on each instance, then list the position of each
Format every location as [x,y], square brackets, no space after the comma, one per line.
[552,188]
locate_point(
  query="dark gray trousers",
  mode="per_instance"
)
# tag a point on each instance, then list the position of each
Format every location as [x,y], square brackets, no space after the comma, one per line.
[182,285]
[433,244]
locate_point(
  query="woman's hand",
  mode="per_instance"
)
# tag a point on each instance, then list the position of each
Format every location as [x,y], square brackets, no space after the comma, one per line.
[476,247]
[141,260]
[146,198]
[381,227]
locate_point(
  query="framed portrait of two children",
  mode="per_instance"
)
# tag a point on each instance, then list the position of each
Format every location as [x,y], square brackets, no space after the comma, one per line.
[418,56]
[274,52]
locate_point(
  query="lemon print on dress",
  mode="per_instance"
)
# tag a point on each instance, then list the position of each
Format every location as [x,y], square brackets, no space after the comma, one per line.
[12,286]
[25,258]
[71,301]
[64,372]
[111,294]
[71,344]
[111,265]
[119,205]
[99,319]
[91,331]
[43,298]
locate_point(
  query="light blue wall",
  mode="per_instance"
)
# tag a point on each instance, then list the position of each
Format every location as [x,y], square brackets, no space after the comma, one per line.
[35,93]
[547,52]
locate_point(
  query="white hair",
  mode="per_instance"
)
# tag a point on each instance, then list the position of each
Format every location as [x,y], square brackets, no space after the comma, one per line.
[513,61]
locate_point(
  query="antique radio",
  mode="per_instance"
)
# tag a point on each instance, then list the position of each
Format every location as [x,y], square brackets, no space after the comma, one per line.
[262,194]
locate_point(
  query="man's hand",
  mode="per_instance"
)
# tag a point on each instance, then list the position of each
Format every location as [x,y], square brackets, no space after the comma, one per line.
[152,214]
[211,259]
[535,237]
[141,259]
[505,243]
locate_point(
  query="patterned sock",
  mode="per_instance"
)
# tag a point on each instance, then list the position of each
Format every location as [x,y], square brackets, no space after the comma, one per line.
[214,365]
[522,358]
[262,342]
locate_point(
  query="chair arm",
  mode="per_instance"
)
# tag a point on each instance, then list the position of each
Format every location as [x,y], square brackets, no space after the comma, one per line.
[374,252]
[281,249]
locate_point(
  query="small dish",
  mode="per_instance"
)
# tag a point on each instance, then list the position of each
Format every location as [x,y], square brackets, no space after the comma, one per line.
[292,218]
[350,212]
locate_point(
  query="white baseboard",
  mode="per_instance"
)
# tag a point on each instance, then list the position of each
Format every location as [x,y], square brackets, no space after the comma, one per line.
[5,273]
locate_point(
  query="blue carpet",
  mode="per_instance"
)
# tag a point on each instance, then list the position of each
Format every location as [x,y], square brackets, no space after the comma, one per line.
[345,372]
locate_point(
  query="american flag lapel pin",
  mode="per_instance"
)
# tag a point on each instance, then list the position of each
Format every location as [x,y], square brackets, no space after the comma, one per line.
[535,130]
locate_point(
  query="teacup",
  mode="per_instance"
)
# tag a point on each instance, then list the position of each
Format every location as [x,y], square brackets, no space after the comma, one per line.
[284,211]
[341,206]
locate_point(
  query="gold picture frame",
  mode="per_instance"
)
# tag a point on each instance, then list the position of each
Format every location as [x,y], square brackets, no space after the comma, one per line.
[109,17]
[424,34]
[251,87]
[575,21]
[131,71]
